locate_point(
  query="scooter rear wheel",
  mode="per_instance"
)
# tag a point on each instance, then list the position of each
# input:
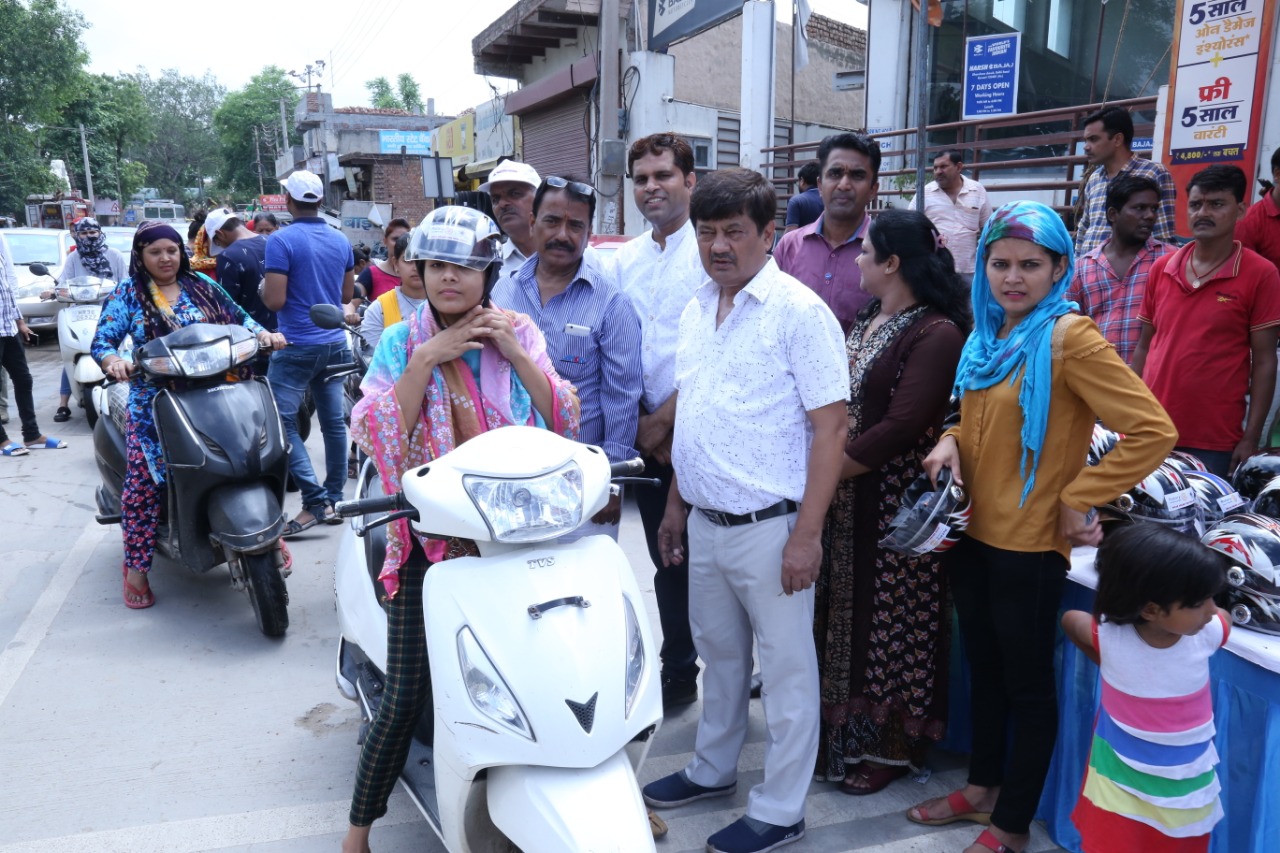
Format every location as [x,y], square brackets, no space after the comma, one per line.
[267,593]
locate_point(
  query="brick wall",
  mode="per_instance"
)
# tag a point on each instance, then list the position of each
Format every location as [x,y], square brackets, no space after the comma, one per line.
[835,33]
[401,185]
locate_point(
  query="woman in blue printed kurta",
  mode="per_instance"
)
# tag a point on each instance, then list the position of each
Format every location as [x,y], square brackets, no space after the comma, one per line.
[161,295]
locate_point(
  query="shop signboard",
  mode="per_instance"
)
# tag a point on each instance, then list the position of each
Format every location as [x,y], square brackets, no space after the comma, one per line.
[991,65]
[456,140]
[417,142]
[673,20]
[274,202]
[495,131]
[361,221]
[1222,52]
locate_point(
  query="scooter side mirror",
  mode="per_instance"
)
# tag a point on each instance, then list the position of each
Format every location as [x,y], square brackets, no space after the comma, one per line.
[327,316]
[39,268]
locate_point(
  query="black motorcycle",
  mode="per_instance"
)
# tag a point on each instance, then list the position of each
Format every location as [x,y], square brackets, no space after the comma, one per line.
[226,454]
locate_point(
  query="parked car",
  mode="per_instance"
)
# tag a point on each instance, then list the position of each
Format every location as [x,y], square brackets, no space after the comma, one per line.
[27,246]
[120,238]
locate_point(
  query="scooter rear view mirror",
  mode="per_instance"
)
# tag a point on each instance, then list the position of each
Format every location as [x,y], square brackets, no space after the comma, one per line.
[38,268]
[327,316]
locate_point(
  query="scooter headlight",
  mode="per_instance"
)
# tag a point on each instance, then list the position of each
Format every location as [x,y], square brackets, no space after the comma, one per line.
[635,654]
[489,693]
[208,359]
[529,510]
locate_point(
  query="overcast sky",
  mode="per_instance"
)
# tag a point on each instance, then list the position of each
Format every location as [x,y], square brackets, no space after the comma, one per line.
[358,40]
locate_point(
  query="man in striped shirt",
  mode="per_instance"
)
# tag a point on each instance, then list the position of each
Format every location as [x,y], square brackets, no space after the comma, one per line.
[1108,140]
[1111,279]
[592,332]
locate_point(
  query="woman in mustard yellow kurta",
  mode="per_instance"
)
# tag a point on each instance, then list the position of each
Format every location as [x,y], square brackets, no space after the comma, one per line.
[1033,378]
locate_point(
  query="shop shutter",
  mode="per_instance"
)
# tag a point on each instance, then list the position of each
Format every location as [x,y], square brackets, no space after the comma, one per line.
[555,139]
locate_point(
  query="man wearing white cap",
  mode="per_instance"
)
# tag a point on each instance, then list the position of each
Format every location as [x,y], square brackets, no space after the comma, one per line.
[308,264]
[511,187]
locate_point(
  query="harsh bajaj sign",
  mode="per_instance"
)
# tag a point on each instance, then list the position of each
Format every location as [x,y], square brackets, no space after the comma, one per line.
[673,20]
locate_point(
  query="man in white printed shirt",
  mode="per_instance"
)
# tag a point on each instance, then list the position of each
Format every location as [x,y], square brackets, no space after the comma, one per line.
[761,420]
[659,272]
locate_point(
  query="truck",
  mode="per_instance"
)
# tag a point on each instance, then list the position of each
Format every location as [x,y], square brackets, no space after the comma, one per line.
[56,211]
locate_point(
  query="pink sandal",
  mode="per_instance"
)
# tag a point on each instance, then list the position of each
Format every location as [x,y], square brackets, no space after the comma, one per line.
[989,841]
[136,600]
[961,809]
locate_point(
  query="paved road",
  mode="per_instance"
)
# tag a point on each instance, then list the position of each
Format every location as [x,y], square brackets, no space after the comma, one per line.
[181,728]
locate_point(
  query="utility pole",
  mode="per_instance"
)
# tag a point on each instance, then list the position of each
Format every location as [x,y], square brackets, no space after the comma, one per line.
[920,85]
[257,155]
[88,175]
[611,155]
[284,129]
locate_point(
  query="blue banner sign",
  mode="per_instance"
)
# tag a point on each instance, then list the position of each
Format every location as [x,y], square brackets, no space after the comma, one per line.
[416,142]
[991,75]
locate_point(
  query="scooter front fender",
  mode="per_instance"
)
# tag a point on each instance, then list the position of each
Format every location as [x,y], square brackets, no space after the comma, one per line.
[87,372]
[245,517]
[596,809]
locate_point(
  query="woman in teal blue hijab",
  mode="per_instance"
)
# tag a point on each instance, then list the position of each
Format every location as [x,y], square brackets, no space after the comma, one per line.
[1033,378]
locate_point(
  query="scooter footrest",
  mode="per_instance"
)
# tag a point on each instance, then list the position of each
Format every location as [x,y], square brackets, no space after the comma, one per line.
[107,519]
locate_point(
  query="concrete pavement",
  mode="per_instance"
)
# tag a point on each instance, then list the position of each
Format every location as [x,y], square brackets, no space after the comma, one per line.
[182,728]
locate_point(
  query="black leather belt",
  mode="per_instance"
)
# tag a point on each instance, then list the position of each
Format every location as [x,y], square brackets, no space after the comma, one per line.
[726,519]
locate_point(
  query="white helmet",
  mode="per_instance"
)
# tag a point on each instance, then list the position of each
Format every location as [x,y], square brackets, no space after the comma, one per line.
[456,235]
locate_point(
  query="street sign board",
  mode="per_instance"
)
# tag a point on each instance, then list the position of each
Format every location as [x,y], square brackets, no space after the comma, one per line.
[673,20]
[991,65]
[416,142]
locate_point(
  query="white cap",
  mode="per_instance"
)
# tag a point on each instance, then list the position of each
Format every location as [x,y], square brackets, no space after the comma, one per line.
[213,224]
[305,187]
[512,170]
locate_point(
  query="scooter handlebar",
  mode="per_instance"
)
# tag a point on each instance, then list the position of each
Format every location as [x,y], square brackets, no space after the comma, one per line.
[369,506]
[627,468]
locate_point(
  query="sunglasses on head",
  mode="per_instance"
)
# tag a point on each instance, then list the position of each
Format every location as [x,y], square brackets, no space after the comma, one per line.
[572,186]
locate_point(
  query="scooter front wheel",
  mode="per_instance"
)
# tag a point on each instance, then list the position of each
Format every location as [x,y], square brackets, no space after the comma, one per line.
[267,592]
[86,403]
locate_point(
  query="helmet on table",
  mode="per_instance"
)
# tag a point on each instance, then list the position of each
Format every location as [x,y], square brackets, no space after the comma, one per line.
[1185,462]
[1103,442]
[1215,495]
[1255,472]
[1163,497]
[1268,500]
[929,518]
[1252,543]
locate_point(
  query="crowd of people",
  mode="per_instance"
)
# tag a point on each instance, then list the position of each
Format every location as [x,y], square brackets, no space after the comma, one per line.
[786,391]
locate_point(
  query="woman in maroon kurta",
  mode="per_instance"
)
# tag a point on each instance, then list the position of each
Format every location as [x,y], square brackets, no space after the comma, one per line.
[881,618]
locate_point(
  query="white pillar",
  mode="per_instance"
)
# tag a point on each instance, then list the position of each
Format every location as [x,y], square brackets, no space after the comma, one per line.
[758,58]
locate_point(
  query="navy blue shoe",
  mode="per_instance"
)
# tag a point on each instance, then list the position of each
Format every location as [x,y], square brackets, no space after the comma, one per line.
[676,790]
[748,835]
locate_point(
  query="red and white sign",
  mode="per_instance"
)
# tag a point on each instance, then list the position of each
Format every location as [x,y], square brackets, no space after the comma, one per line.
[274,202]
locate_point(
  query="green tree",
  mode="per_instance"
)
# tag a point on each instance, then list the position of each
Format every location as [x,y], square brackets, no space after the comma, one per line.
[182,150]
[410,93]
[35,84]
[256,105]
[381,94]
[116,119]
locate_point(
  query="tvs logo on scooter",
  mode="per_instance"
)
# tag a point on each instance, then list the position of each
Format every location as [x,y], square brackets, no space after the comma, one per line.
[541,562]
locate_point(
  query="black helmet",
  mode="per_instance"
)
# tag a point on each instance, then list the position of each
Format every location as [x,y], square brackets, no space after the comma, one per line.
[1268,500]
[1215,495]
[1102,443]
[1255,472]
[1252,543]
[928,519]
[1185,462]
[1163,497]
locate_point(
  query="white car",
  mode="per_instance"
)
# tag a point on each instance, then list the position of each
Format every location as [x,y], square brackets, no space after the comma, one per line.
[27,246]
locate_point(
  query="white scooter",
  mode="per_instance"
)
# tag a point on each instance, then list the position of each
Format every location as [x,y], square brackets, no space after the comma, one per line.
[543,668]
[82,298]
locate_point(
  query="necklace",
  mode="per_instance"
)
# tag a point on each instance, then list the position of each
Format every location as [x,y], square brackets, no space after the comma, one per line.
[1198,278]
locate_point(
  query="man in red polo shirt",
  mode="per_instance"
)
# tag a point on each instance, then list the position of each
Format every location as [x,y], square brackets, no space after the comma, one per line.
[1260,228]
[1209,321]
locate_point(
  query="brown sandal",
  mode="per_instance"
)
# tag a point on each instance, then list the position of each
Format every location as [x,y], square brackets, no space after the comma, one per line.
[873,779]
[961,809]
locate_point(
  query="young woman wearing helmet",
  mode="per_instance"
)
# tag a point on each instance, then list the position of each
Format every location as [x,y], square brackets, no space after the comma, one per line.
[432,380]
[1030,354]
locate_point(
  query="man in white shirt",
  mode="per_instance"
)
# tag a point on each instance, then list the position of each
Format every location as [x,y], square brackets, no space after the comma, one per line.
[761,419]
[958,207]
[511,186]
[659,272]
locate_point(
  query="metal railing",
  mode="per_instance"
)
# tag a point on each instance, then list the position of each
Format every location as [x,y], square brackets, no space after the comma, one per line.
[989,149]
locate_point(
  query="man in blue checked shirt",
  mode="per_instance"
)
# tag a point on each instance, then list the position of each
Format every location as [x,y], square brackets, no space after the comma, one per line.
[593,334]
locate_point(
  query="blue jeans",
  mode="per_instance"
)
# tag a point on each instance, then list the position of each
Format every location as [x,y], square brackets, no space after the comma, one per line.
[294,369]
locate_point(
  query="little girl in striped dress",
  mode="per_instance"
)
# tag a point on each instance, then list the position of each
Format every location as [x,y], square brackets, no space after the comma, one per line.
[1150,785]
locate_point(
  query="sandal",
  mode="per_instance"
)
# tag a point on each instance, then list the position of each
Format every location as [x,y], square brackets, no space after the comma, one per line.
[14,449]
[286,564]
[294,527]
[62,415]
[135,600]
[657,825]
[46,442]
[961,809]
[873,779]
[989,841]
[329,515]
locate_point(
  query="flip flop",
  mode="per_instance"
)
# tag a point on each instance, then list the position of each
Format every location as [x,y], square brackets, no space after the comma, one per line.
[135,600]
[989,841]
[961,809]
[657,825]
[14,449]
[62,415]
[46,442]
